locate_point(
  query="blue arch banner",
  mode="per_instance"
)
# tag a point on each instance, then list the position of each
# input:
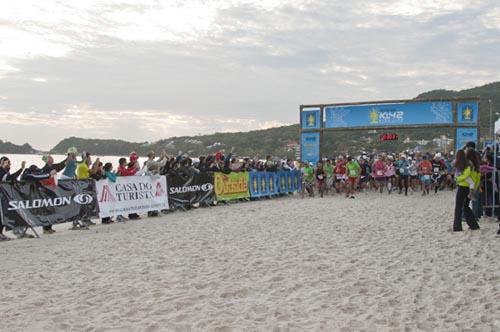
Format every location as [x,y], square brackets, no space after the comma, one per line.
[389,114]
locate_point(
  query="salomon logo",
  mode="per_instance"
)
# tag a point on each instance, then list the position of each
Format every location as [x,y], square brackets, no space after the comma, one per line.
[83,199]
[191,189]
[207,187]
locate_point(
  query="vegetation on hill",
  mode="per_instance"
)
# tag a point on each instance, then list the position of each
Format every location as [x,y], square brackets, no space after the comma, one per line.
[8,147]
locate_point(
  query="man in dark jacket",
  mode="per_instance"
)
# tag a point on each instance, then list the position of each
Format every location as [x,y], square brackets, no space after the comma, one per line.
[6,176]
[50,167]
[5,170]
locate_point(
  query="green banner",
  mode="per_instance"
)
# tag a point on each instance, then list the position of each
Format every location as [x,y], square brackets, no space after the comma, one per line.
[231,186]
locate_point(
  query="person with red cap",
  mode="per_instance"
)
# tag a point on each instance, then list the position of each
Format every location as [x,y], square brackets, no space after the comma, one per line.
[129,169]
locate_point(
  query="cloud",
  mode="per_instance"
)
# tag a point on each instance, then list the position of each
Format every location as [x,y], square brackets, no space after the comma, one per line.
[425,9]
[491,19]
[147,125]
[216,65]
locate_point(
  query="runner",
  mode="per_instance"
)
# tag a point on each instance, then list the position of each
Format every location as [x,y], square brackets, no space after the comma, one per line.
[403,171]
[340,174]
[365,173]
[413,172]
[353,173]
[329,176]
[438,172]
[425,171]
[390,173]
[379,169]
[320,178]
[307,179]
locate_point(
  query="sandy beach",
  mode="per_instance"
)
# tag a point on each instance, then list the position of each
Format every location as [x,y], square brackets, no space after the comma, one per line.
[375,263]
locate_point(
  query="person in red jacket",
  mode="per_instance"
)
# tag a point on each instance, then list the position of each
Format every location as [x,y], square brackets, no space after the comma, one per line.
[425,171]
[124,169]
[130,170]
[340,174]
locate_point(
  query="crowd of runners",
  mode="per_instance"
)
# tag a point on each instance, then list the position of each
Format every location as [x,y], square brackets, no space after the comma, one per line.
[403,173]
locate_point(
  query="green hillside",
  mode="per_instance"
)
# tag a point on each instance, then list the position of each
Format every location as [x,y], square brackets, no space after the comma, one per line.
[8,147]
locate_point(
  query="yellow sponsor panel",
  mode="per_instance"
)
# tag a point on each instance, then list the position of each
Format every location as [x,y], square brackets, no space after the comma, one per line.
[231,186]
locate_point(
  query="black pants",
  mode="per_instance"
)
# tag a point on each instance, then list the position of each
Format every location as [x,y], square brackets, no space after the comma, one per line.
[437,182]
[403,182]
[462,203]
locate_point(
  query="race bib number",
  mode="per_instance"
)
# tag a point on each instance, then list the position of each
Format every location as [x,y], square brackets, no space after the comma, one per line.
[401,170]
[436,169]
[320,177]
[380,173]
[427,177]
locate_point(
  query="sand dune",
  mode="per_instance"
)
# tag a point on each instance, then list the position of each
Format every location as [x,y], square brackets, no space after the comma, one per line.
[376,263]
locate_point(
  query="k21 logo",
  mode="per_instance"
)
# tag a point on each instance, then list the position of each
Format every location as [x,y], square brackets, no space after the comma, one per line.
[380,117]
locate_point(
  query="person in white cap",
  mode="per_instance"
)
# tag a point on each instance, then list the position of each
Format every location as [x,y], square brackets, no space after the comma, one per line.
[438,171]
[413,173]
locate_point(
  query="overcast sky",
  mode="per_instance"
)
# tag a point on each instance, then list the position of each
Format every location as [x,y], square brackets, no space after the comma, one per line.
[144,70]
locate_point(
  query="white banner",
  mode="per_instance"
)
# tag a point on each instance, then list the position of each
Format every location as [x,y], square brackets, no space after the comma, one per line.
[131,194]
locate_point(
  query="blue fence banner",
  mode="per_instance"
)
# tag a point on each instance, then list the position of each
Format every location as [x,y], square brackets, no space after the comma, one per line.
[393,114]
[465,135]
[273,183]
[293,181]
[253,184]
[311,118]
[283,182]
[467,112]
[309,147]
[264,186]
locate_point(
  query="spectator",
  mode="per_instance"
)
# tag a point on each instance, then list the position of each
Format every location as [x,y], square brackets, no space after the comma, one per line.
[84,172]
[49,167]
[465,169]
[5,175]
[132,169]
[71,164]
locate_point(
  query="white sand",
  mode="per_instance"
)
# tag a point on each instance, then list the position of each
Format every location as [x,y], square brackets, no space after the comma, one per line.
[277,265]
